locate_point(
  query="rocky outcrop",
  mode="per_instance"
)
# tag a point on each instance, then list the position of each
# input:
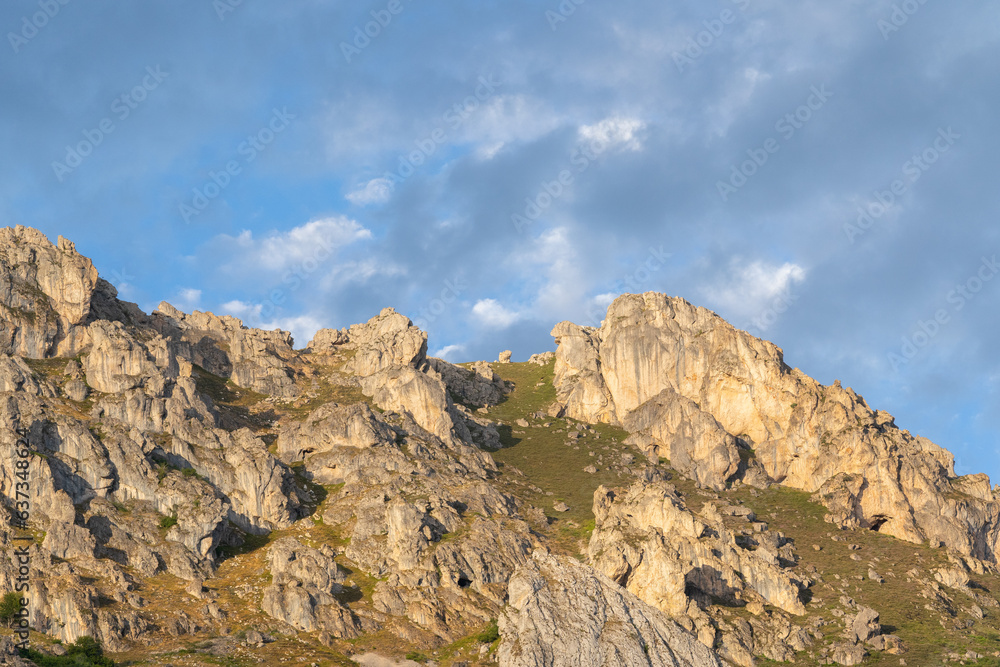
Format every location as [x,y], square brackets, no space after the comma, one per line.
[303,590]
[45,294]
[16,376]
[562,614]
[332,426]
[478,387]
[424,398]
[387,340]
[542,358]
[657,362]
[673,427]
[647,541]
[252,358]
[118,362]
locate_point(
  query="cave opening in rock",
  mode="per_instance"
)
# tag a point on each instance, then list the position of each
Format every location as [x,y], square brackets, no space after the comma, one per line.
[464,582]
[878,522]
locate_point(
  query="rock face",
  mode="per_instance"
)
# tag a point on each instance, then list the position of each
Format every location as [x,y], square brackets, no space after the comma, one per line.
[252,358]
[478,387]
[195,482]
[674,427]
[304,583]
[389,339]
[647,541]
[681,378]
[563,614]
[45,294]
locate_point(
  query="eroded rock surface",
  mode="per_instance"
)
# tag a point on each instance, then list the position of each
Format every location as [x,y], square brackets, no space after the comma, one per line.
[671,372]
[562,613]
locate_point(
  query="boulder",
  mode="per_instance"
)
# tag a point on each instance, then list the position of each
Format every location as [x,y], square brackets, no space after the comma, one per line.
[387,340]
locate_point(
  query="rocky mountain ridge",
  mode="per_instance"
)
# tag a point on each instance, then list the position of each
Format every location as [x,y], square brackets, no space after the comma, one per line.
[640,497]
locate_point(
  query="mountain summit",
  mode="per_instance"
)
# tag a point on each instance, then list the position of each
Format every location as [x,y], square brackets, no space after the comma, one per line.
[662,490]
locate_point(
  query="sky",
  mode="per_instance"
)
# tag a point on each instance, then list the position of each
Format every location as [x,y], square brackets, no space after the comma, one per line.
[820,174]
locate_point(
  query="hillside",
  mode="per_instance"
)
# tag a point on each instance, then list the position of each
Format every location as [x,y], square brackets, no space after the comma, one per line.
[662,490]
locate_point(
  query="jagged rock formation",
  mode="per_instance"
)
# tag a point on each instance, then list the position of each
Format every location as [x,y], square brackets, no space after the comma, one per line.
[255,359]
[192,478]
[660,366]
[45,294]
[563,614]
[647,541]
[303,588]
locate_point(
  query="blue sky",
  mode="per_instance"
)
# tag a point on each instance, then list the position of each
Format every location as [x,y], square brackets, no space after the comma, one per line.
[493,168]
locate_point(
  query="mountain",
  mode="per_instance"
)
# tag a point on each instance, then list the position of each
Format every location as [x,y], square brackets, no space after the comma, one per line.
[662,490]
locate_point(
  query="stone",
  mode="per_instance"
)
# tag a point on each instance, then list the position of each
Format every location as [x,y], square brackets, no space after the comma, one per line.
[541,359]
[848,654]
[505,357]
[46,291]
[865,625]
[479,386]
[562,614]
[387,340]
[331,426]
[650,543]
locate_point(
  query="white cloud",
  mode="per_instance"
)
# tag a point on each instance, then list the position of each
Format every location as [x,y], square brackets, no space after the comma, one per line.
[507,119]
[447,352]
[187,300]
[615,132]
[748,290]
[554,257]
[247,312]
[304,248]
[491,313]
[375,191]
[302,327]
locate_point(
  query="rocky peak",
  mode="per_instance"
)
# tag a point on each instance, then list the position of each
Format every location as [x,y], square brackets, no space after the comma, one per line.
[721,403]
[45,293]
[195,481]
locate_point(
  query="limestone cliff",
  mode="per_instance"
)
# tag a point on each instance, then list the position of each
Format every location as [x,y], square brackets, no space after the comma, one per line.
[696,390]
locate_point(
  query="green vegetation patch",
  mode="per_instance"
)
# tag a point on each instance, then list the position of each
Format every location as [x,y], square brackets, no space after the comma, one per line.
[84,652]
[553,461]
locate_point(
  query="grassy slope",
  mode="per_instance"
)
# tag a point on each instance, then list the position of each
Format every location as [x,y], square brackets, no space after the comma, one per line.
[550,460]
